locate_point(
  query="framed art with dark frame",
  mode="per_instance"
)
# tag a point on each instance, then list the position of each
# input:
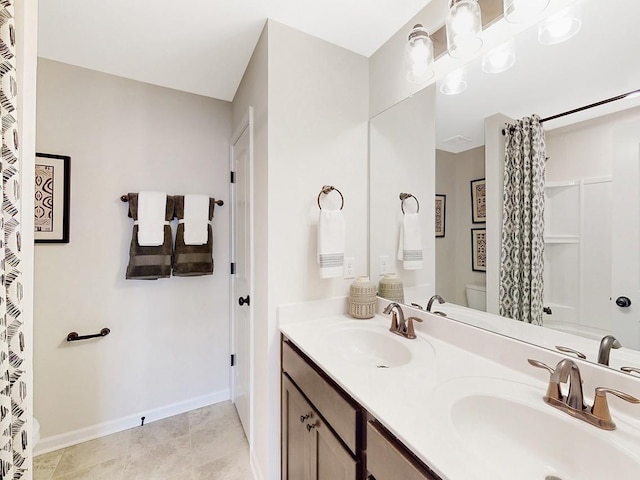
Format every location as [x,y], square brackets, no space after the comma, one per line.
[479,249]
[441,214]
[52,198]
[478,201]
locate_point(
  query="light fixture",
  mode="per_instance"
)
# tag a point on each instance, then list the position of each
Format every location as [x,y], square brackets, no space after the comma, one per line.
[419,55]
[522,11]
[500,59]
[464,26]
[454,83]
[559,28]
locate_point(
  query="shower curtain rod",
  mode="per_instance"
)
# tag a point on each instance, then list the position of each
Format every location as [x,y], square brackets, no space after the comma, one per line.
[586,107]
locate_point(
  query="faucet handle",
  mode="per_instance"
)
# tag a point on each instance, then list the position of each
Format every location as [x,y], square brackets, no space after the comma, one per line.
[394,323]
[410,331]
[630,370]
[600,408]
[553,390]
[417,306]
[571,350]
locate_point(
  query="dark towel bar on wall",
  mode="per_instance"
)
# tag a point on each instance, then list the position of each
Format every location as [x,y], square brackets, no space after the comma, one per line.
[125,199]
[73,336]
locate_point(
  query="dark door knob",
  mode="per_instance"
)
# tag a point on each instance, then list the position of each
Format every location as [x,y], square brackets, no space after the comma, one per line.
[623,302]
[242,301]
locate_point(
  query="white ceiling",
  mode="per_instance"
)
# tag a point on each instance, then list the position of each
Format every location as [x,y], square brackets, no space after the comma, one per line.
[202,46]
[598,63]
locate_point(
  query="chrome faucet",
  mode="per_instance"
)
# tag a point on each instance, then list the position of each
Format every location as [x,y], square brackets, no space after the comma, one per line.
[399,325]
[573,404]
[431,300]
[606,344]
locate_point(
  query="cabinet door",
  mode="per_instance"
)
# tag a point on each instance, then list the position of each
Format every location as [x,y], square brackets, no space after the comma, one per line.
[329,459]
[296,439]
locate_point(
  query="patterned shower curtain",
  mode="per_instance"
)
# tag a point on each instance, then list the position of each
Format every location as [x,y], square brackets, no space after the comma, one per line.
[521,260]
[13,433]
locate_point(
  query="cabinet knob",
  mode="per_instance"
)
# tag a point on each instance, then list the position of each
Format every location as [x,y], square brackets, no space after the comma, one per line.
[243,301]
[304,417]
[310,426]
[623,302]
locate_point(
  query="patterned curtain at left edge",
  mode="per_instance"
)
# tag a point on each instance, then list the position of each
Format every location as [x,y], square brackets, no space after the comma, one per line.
[522,253]
[13,387]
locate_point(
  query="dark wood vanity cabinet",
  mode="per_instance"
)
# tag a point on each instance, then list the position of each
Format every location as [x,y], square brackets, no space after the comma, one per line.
[310,450]
[326,435]
[321,429]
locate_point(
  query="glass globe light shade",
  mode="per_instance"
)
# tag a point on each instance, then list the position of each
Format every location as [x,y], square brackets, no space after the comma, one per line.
[419,55]
[454,83]
[500,59]
[558,28]
[464,26]
[522,11]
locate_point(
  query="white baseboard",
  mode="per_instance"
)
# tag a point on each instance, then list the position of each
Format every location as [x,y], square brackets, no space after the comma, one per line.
[56,442]
[255,466]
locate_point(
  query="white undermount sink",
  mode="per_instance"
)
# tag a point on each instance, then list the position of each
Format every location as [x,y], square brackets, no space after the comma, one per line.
[508,429]
[376,347]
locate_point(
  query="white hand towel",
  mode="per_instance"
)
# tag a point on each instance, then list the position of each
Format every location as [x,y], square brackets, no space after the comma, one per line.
[196,219]
[410,245]
[151,221]
[331,241]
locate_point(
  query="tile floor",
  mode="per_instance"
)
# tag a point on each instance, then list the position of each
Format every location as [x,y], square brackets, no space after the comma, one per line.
[204,444]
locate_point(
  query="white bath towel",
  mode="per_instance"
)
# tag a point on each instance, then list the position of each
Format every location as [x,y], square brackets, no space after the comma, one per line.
[331,241]
[196,219]
[410,245]
[151,218]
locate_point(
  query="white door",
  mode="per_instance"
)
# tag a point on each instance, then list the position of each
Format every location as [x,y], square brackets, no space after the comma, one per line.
[626,235]
[242,254]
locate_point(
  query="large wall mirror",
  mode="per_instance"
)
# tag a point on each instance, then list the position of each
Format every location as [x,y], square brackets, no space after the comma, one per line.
[592,213]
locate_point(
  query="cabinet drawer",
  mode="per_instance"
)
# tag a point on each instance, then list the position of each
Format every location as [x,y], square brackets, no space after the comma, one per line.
[387,460]
[343,416]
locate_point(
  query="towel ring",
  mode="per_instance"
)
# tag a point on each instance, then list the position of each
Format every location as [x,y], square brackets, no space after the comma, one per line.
[326,189]
[404,196]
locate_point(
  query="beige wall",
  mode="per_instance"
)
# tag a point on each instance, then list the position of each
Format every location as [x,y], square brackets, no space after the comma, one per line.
[253,91]
[454,173]
[168,350]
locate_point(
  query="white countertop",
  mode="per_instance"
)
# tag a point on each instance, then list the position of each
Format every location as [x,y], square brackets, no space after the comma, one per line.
[412,400]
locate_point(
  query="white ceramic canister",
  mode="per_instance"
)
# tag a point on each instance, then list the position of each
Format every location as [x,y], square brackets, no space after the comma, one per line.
[391,288]
[362,298]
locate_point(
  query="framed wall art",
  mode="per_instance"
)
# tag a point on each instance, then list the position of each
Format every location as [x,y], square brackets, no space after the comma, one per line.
[52,198]
[441,214]
[478,201]
[479,249]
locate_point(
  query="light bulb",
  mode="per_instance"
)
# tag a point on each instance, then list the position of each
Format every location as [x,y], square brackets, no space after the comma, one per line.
[559,28]
[419,55]
[499,59]
[454,83]
[464,26]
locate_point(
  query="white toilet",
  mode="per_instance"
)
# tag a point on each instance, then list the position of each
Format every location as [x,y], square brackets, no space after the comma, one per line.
[476,296]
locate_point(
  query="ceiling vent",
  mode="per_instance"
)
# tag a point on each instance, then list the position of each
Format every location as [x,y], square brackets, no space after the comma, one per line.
[457,140]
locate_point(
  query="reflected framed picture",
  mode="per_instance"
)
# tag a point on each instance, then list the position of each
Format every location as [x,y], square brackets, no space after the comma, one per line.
[441,214]
[479,249]
[52,198]
[478,201]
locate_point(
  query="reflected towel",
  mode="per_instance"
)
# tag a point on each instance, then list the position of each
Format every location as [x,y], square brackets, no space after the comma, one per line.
[149,262]
[410,244]
[331,242]
[192,260]
[151,218]
[196,219]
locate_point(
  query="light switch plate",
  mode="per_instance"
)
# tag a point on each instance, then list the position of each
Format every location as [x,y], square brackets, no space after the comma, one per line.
[383,260]
[349,267]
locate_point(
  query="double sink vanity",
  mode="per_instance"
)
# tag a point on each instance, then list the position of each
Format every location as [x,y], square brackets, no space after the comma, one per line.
[455,403]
